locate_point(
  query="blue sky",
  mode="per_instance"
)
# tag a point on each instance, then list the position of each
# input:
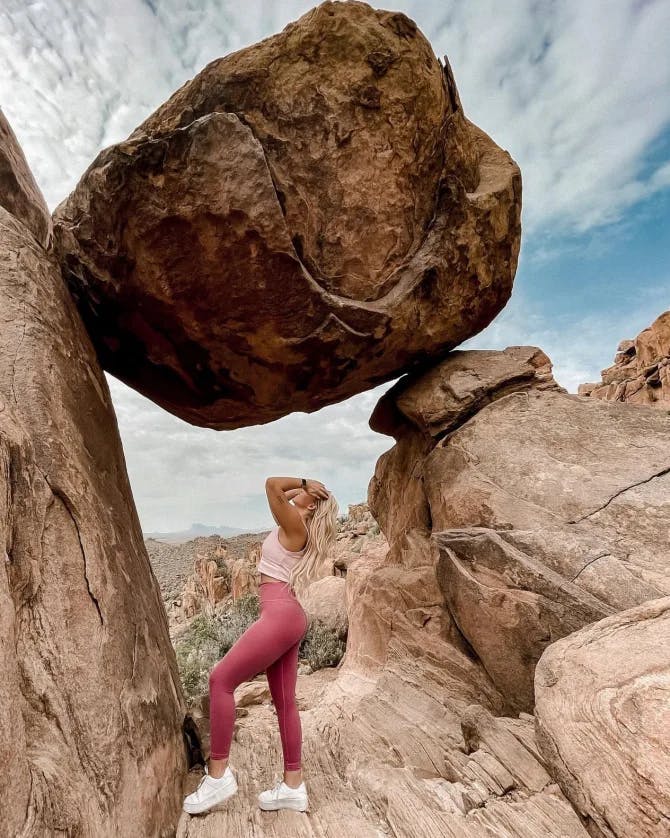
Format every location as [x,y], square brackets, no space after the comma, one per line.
[577,92]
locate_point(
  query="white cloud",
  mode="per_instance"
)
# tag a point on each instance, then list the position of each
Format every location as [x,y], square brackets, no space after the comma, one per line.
[578,346]
[577,92]
[181,474]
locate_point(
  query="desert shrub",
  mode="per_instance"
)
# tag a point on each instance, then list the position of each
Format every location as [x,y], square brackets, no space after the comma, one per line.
[194,661]
[206,641]
[321,646]
[236,620]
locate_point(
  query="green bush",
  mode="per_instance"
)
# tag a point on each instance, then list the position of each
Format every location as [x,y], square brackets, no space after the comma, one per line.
[321,646]
[206,641]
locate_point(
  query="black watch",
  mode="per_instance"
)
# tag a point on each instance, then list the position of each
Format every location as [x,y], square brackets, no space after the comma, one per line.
[304,483]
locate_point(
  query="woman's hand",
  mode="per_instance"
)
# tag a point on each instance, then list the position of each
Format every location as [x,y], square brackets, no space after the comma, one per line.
[316,488]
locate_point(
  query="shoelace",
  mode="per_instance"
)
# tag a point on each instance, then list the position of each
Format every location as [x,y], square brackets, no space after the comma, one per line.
[275,790]
[203,778]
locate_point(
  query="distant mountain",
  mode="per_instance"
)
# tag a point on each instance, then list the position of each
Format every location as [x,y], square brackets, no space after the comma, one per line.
[195,531]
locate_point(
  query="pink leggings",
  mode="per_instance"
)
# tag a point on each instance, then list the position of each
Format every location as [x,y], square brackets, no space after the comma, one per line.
[271,644]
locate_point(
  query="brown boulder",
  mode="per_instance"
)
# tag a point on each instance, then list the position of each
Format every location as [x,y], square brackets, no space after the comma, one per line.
[305,218]
[603,720]
[509,605]
[19,193]
[92,708]
[554,513]
[325,601]
[548,509]
[444,396]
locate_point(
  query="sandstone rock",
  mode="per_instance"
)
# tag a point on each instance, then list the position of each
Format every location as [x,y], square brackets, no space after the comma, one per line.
[548,509]
[305,218]
[456,388]
[641,370]
[19,193]
[508,605]
[252,692]
[581,487]
[172,562]
[204,588]
[481,728]
[92,707]
[244,578]
[325,600]
[603,720]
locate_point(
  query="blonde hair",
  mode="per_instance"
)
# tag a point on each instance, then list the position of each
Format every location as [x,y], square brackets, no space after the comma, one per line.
[321,533]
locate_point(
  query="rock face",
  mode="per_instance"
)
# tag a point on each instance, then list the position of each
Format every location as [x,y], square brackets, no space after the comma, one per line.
[549,510]
[641,370]
[305,218]
[19,194]
[325,599]
[91,708]
[603,720]
[204,588]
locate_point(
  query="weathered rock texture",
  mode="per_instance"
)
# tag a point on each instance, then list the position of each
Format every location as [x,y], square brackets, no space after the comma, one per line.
[91,707]
[400,739]
[305,218]
[205,587]
[603,720]
[641,370]
[549,510]
[325,600]
[19,193]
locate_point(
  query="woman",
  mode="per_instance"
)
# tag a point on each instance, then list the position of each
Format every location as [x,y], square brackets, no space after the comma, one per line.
[291,555]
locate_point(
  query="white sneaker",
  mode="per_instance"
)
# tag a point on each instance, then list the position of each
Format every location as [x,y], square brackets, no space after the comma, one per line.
[210,792]
[284,797]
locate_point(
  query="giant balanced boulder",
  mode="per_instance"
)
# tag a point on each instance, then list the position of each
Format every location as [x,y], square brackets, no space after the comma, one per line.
[91,707]
[305,218]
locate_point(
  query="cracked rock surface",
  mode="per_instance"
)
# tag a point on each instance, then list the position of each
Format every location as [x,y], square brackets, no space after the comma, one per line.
[305,218]
[549,510]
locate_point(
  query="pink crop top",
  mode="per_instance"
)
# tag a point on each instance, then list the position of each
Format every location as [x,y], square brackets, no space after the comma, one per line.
[276,560]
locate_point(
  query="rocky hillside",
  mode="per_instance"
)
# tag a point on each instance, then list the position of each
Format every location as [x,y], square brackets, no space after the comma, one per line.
[174,563]
[641,370]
